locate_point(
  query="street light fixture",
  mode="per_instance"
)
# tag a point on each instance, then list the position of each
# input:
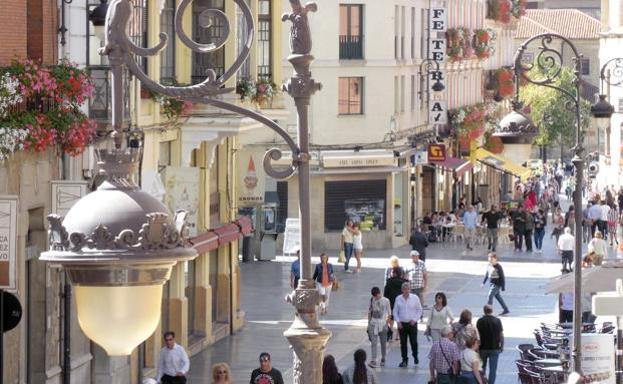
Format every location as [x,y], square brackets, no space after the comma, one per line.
[97,17]
[545,71]
[431,67]
[118,244]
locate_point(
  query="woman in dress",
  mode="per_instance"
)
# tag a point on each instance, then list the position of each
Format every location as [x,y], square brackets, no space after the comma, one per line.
[439,316]
[330,374]
[357,246]
[323,276]
[471,363]
[464,330]
[359,373]
[613,223]
[221,374]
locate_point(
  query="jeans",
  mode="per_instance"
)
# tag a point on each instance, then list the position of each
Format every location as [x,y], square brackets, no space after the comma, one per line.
[348,253]
[539,234]
[494,291]
[567,259]
[382,336]
[408,331]
[467,377]
[518,239]
[469,236]
[492,238]
[528,236]
[492,355]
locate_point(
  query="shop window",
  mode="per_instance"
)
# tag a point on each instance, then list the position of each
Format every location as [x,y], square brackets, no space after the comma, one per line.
[282,208]
[363,201]
[350,93]
[167,57]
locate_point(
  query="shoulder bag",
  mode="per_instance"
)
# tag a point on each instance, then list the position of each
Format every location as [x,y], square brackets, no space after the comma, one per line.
[451,369]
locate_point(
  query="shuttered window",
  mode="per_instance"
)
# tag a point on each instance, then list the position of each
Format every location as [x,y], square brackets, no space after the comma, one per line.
[363,201]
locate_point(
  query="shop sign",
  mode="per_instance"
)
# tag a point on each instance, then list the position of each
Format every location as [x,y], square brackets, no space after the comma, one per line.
[182,186]
[420,158]
[252,179]
[292,236]
[359,161]
[598,354]
[436,152]
[438,113]
[438,25]
[8,242]
[65,194]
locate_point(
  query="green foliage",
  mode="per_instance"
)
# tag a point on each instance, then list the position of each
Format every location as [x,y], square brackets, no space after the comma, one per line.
[547,107]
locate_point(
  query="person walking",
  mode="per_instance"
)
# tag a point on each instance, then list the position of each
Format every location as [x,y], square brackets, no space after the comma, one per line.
[393,289]
[266,374]
[613,223]
[359,373]
[497,282]
[417,276]
[558,221]
[357,246]
[418,242]
[464,330]
[347,243]
[594,215]
[565,307]
[491,341]
[519,226]
[295,271]
[471,363]
[394,262]
[221,374]
[324,278]
[603,222]
[444,358]
[407,312]
[528,228]
[440,313]
[566,243]
[330,374]
[492,217]
[173,364]
[470,220]
[599,248]
[379,317]
[540,221]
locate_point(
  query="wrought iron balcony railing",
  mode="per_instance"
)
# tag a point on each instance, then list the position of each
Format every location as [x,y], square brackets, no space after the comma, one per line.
[351,47]
[100,104]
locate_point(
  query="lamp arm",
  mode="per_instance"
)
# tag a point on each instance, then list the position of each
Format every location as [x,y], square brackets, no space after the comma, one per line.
[615,66]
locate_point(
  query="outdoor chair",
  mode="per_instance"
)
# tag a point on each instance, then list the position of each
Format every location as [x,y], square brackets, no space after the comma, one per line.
[523,349]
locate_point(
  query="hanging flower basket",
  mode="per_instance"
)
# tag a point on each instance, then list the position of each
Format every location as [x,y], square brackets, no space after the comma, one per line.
[506,11]
[470,123]
[483,42]
[455,44]
[505,82]
[493,144]
[40,108]
[260,92]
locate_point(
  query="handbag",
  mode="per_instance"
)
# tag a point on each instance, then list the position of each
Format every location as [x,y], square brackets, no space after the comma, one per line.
[341,257]
[335,285]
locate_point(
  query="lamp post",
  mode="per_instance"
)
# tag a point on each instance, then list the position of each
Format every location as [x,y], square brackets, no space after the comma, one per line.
[430,67]
[545,71]
[125,251]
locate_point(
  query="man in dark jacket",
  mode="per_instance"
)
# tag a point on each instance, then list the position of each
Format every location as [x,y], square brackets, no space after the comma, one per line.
[497,282]
[519,226]
[492,217]
[418,243]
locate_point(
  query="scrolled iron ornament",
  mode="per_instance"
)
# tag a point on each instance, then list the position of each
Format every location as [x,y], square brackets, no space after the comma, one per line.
[612,72]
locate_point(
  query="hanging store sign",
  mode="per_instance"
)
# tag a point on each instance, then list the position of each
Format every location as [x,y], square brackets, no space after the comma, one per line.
[8,242]
[182,186]
[438,25]
[436,152]
[420,158]
[65,194]
[598,365]
[251,185]
[386,160]
[438,113]
[292,236]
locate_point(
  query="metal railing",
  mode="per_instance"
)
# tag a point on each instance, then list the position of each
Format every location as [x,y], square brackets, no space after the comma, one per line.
[351,47]
[100,104]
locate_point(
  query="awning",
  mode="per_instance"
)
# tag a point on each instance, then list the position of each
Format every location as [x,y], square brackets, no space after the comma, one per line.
[217,237]
[501,163]
[245,224]
[459,166]
[227,233]
[596,279]
[205,242]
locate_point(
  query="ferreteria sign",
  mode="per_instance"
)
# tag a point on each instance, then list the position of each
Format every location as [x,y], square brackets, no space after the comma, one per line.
[8,242]
[437,26]
[438,113]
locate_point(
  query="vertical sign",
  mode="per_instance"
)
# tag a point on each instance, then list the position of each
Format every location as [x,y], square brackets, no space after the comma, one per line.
[438,25]
[438,113]
[182,186]
[65,194]
[8,242]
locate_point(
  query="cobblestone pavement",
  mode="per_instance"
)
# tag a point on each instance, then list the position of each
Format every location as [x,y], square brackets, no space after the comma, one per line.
[451,270]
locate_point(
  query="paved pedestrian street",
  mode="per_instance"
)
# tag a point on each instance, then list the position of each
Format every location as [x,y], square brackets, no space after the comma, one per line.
[451,270]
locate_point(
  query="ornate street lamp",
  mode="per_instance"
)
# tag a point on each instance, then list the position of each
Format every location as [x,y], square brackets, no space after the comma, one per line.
[545,71]
[97,17]
[118,244]
[517,132]
[431,67]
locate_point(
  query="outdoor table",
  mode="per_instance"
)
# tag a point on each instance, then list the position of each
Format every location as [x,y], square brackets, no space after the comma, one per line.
[554,368]
[546,353]
[548,362]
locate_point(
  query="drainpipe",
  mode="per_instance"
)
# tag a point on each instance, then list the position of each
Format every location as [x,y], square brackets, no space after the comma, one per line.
[67,332]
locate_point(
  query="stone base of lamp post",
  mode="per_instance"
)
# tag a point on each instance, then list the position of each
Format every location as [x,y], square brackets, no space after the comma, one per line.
[306,336]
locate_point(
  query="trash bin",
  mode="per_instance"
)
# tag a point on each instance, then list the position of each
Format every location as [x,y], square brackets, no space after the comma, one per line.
[246,248]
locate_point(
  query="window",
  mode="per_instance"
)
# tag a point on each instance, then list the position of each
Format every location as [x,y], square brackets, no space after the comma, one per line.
[413,91]
[264,68]
[167,57]
[424,33]
[396,20]
[351,35]
[214,30]
[396,90]
[402,33]
[402,93]
[363,201]
[585,66]
[413,32]
[350,90]
[137,29]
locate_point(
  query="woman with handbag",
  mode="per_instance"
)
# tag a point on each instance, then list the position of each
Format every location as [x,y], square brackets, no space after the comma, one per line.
[324,277]
[379,315]
[440,313]
[471,363]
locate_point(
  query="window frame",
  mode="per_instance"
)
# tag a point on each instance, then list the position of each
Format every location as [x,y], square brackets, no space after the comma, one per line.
[348,101]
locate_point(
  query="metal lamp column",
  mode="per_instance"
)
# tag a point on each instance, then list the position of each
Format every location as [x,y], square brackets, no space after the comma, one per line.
[545,71]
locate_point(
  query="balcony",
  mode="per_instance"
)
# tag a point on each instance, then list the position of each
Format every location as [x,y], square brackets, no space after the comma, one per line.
[100,105]
[351,47]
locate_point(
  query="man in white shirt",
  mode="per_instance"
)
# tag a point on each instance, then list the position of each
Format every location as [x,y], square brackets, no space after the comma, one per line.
[603,220]
[173,364]
[566,244]
[594,215]
[407,312]
[470,220]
